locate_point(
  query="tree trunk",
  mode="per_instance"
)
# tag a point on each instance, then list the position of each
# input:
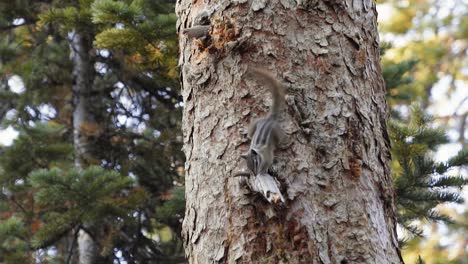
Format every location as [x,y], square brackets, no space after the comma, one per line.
[335,171]
[83,123]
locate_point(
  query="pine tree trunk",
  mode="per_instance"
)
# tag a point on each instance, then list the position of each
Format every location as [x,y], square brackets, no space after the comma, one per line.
[335,171]
[83,122]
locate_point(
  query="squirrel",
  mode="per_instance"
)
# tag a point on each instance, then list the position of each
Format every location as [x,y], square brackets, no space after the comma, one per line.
[265,133]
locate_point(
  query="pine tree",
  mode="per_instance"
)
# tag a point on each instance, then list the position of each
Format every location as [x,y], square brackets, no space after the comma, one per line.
[433,34]
[36,147]
[421,183]
[136,143]
[135,101]
[335,169]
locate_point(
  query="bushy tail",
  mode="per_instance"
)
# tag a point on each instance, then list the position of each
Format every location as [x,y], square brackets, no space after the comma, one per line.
[276,89]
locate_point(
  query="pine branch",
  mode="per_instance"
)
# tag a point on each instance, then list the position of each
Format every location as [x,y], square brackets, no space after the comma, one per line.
[461,159]
[160,92]
[448,181]
[413,229]
[435,216]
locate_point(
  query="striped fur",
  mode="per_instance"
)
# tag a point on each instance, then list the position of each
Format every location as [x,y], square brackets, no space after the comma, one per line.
[265,133]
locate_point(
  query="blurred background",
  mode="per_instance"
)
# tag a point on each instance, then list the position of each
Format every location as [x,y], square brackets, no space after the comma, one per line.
[132,187]
[424,46]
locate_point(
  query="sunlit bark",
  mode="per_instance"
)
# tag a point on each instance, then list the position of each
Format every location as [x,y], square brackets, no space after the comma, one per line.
[335,171]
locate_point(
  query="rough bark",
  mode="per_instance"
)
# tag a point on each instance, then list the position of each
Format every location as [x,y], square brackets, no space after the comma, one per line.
[83,73]
[335,171]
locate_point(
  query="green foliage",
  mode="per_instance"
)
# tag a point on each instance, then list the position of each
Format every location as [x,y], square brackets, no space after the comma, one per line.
[12,227]
[42,206]
[462,32]
[421,183]
[71,198]
[118,38]
[402,20]
[108,11]
[136,28]
[89,188]
[142,45]
[66,17]
[130,83]
[431,32]
[173,209]
[424,52]
[397,78]
[38,146]
[12,245]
